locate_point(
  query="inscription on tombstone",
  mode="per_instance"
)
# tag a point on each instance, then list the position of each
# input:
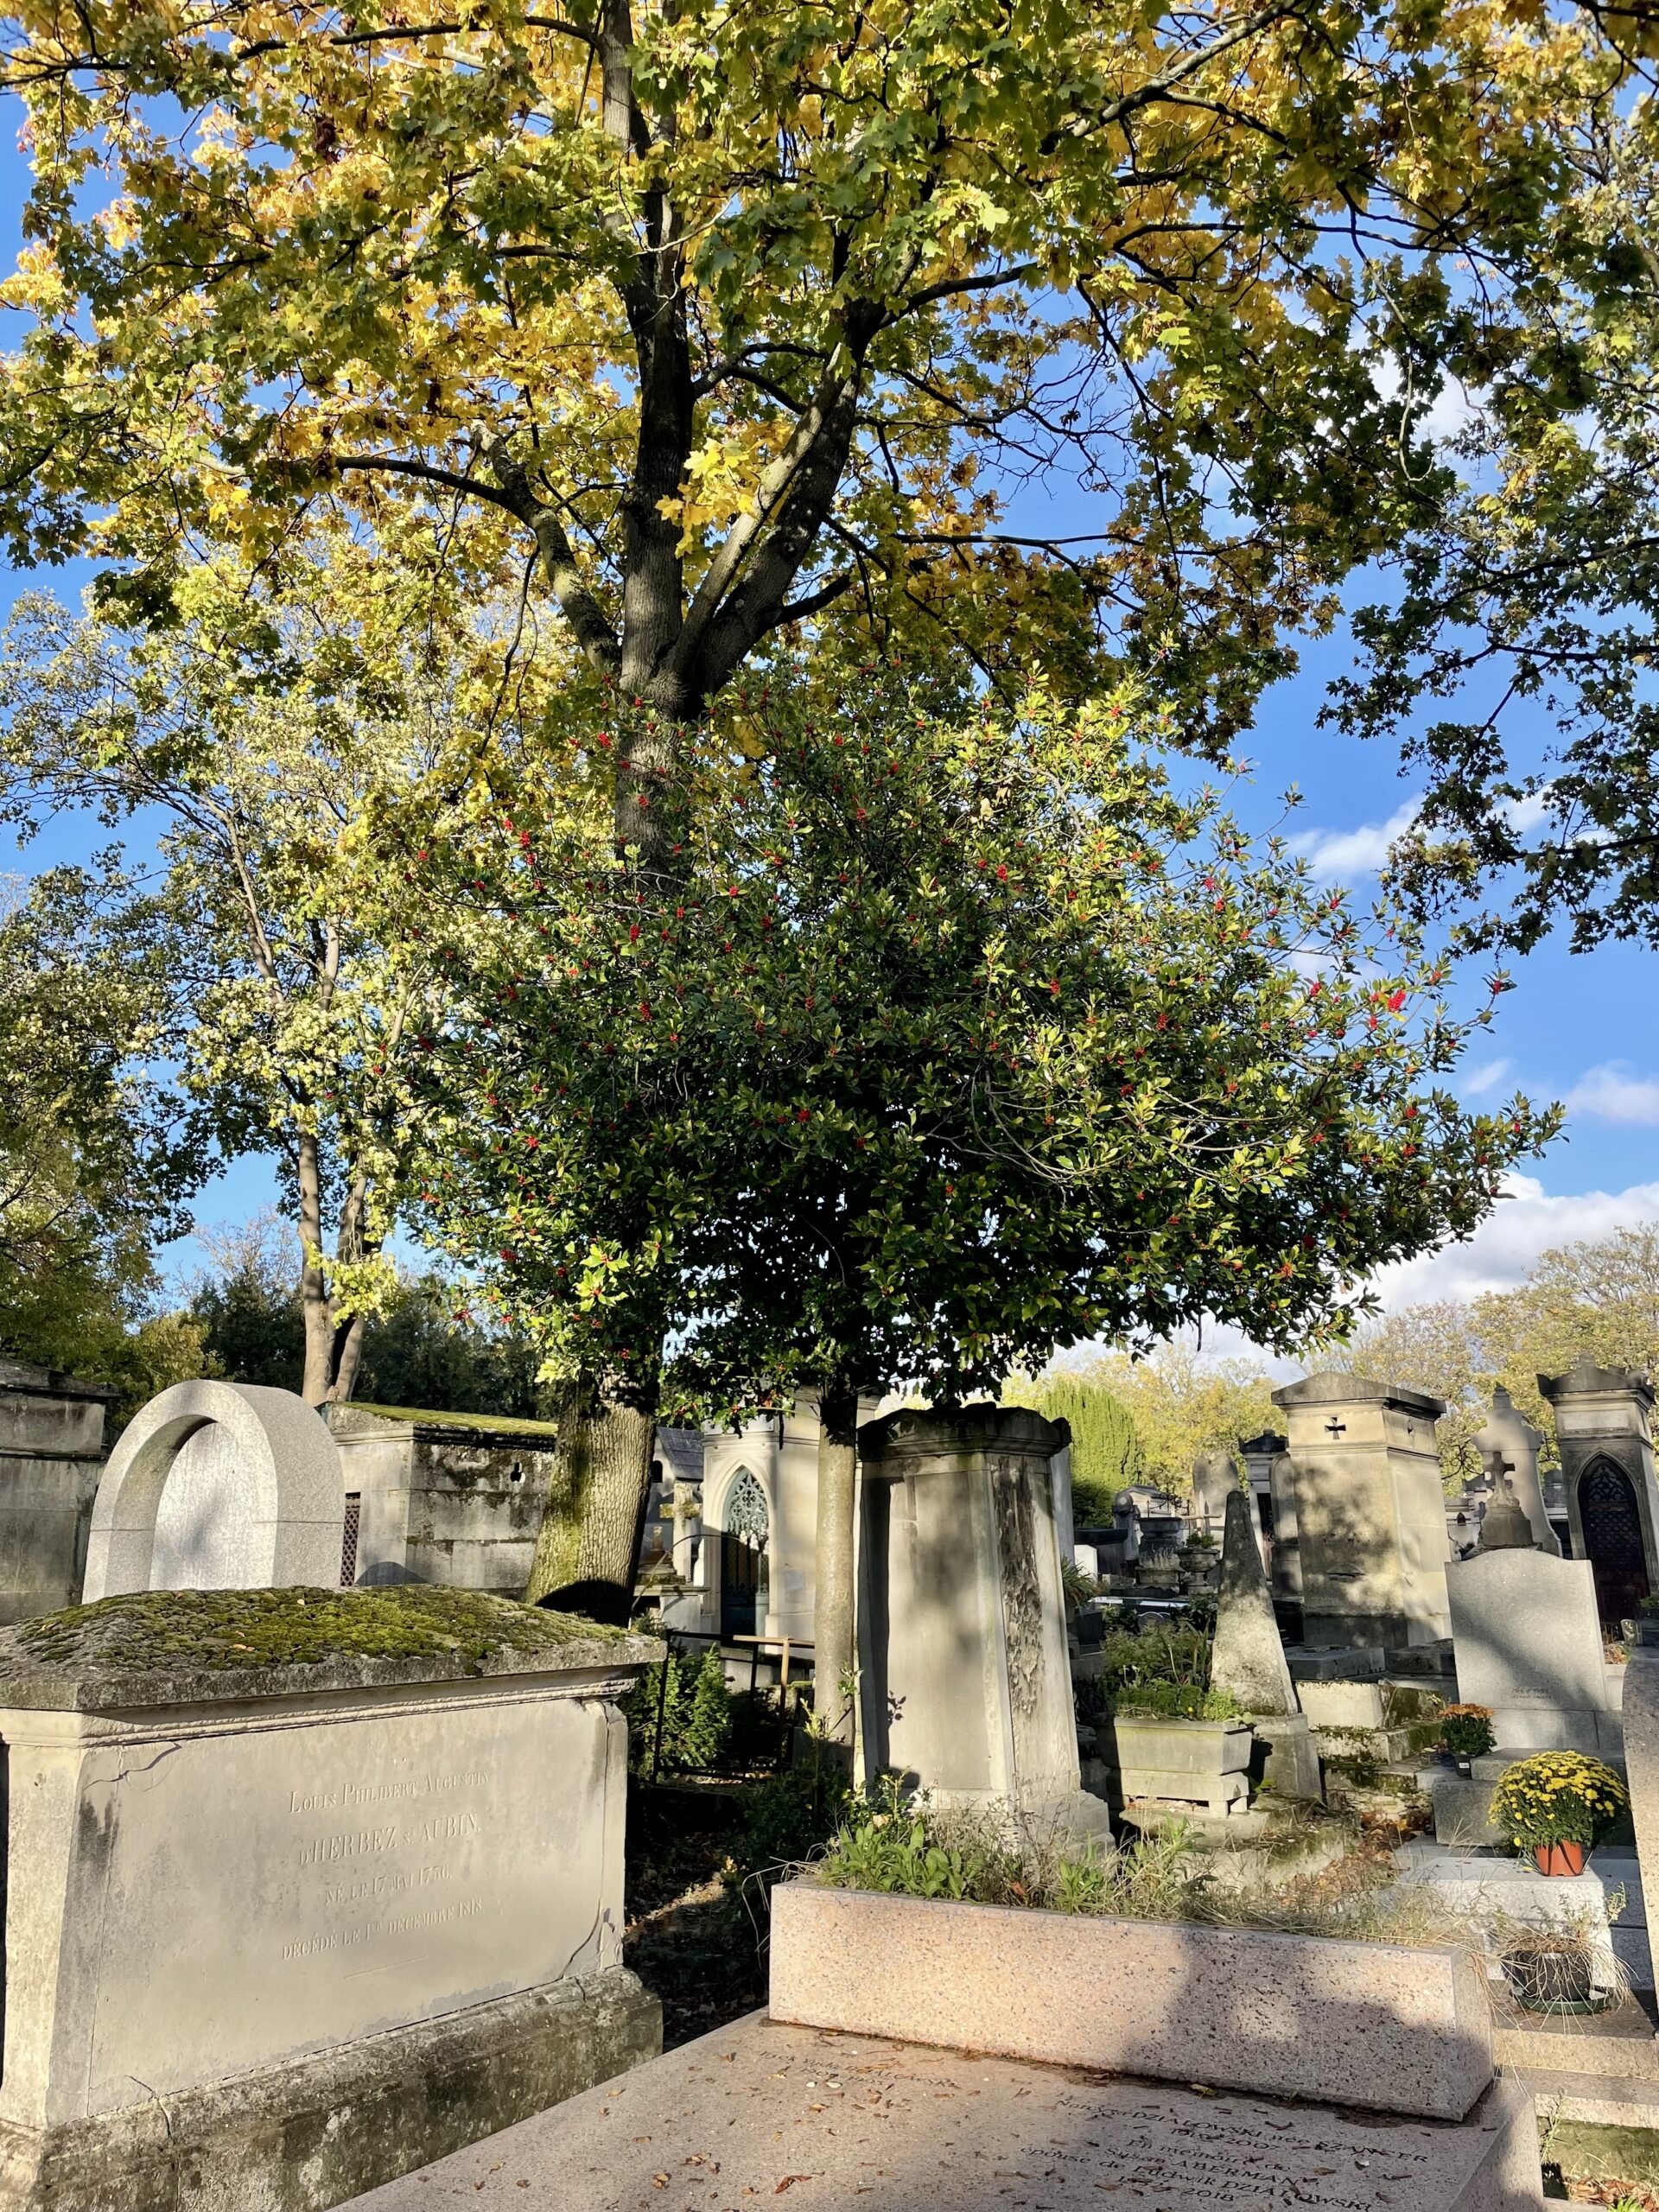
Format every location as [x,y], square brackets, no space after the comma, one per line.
[1168,2152]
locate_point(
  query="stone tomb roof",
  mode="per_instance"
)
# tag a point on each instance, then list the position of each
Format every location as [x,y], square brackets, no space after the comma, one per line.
[155,1648]
[1356,1390]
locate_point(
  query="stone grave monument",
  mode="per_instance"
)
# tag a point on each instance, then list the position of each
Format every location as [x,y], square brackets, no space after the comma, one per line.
[1249,1659]
[1605,1434]
[218,1486]
[1516,1442]
[451,1498]
[1527,1639]
[963,1680]
[286,1916]
[51,1449]
[1370,1511]
[1214,1479]
[1286,1543]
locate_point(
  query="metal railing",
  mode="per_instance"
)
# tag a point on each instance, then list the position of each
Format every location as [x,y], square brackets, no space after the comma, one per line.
[770,1737]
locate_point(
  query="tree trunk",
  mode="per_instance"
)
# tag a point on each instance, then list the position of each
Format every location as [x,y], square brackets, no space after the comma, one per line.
[348,1354]
[834,1650]
[315,1301]
[588,1543]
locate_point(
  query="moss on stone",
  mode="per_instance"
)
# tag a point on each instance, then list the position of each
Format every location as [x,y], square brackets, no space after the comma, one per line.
[541,1432]
[151,1631]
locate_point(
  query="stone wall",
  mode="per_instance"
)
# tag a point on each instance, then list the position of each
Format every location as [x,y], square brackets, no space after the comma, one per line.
[445,1498]
[51,1448]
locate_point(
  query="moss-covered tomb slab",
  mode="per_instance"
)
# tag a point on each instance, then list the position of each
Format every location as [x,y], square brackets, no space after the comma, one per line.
[169,1647]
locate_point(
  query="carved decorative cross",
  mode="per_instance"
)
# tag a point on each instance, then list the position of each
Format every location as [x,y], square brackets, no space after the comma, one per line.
[1334,1427]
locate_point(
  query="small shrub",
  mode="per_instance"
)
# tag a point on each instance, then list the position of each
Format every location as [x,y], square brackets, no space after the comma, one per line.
[1467,1730]
[697,1714]
[1558,1797]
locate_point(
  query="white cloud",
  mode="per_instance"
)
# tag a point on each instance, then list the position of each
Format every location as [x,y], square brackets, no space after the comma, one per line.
[1527,813]
[1613,1093]
[1479,1081]
[1526,1221]
[1336,854]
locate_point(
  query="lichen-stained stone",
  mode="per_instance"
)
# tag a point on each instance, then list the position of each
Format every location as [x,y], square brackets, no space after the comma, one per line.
[303,1887]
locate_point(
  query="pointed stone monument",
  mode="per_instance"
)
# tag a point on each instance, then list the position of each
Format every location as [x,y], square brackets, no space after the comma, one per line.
[1249,1659]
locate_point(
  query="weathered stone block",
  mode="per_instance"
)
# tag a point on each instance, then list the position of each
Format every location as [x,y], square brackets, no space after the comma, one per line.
[1527,1633]
[851,2122]
[1376,2024]
[221,1874]
[51,1449]
[1370,1513]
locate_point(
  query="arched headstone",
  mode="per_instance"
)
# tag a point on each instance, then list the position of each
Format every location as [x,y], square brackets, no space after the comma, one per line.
[218,1486]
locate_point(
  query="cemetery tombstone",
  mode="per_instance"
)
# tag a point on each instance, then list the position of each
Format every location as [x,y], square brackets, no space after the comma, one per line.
[1528,1639]
[1603,1433]
[218,1486]
[1287,1541]
[964,1684]
[278,1928]
[450,1498]
[1258,1453]
[1215,1480]
[51,1449]
[1370,1512]
[1512,1436]
[1248,1659]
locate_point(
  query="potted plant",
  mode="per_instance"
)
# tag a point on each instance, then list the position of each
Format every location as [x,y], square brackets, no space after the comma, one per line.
[1467,1733]
[1552,1970]
[1557,1805]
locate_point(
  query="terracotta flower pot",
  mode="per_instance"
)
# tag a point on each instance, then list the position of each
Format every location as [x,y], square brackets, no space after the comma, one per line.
[1559,1857]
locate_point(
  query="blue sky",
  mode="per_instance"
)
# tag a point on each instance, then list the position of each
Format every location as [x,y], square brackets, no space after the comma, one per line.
[1581,1029]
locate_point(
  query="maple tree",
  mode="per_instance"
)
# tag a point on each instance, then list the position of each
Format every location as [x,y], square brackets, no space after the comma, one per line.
[702,323]
[263,734]
[719,315]
[957,1037]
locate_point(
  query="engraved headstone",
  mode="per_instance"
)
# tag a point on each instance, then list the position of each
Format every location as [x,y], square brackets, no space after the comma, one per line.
[218,1486]
[1528,1643]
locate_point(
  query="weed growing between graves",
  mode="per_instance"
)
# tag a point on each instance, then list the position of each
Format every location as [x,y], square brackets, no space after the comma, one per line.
[901,1845]
[1176,1702]
[159,1631]
[702,1858]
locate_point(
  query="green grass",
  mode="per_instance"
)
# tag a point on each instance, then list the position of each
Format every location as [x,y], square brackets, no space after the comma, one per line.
[160,1630]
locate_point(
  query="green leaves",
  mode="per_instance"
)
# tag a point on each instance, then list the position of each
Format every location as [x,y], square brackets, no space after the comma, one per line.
[946,1069]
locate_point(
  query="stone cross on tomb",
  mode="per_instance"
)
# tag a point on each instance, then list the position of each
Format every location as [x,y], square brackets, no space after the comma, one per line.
[1334,1427]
